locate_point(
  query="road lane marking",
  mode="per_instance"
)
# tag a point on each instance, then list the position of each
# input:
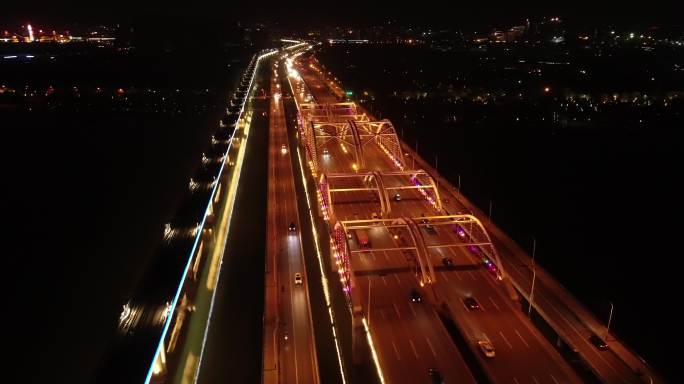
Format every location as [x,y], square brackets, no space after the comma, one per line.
[413,310]
[384,280]
[492,300]
[396,351]
[430,345]
[396,309]
[414,349]
[516,381]
[535,379]
[505,339]
[397,277]
[444,274]
[382,312]
[521,338]
[554,379]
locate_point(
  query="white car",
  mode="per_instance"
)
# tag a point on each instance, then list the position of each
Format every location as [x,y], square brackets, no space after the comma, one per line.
[487,348]
[298,279]
[283,149]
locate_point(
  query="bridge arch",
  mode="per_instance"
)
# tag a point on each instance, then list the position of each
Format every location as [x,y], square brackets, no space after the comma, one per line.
[327,189]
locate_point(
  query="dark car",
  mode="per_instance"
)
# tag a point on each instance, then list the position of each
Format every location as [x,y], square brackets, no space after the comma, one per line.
[292,227]
[457,229]
[447,262]
[435,376]
[415,296]
[598,342]
[471,303]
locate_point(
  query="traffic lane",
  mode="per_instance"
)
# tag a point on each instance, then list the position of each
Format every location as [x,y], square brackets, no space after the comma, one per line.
[609,366]
[503,324]
[429,336]
[418,320]
[299,309]
[300,343]
[303,327]
[316,86]
[410,335]
[285,240]
[574,328]
[398,364]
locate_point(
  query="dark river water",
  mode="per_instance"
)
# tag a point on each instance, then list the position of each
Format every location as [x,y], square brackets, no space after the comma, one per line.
[93,172]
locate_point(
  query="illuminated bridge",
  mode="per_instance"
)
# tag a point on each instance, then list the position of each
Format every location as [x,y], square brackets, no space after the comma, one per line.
[429,281]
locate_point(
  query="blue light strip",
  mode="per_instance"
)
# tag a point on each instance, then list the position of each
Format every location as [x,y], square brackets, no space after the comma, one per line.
[199,234]
[213,295]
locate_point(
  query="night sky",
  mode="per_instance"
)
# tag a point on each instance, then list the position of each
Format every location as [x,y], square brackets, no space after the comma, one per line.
[446,13]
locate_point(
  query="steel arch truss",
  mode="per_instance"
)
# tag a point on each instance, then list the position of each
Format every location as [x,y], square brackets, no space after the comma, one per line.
[413,247]
[331,112]
[319,134]
[383,134]
[339,183]
[408,233]
[385,184]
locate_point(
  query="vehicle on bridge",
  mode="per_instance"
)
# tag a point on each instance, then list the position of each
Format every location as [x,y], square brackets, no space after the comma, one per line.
[492,268]
[362,238]
[292,227]
[598,342]
[487,348]
[435,376]
[298,279]
[415,296]
[459,231]
[471,303]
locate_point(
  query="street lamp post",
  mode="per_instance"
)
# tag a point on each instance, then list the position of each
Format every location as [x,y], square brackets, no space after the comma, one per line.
[458,193]
[436,172]
[534,276]
[610,317]
[369,307]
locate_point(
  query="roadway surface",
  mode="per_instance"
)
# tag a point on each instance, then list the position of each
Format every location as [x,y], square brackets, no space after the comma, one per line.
[406,332]
[297,353]
[232,353]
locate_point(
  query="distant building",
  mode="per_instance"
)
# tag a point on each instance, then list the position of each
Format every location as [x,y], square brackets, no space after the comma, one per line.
[497,36]
[516,33]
